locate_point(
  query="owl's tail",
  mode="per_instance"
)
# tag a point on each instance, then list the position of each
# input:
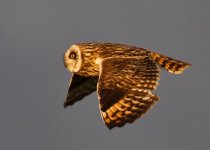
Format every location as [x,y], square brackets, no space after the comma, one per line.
[170,64]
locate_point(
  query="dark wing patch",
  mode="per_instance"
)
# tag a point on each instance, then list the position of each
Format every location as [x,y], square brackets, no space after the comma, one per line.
[80,87]
[124,89]
[108,97]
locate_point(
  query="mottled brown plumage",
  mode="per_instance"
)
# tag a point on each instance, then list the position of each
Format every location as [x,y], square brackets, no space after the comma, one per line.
[124,77]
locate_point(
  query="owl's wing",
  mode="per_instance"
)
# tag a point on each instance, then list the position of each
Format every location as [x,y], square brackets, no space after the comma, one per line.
[80,87]
[124,89]
[171,65]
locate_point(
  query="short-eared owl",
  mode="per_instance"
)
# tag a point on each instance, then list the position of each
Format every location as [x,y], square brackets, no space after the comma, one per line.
[124,77]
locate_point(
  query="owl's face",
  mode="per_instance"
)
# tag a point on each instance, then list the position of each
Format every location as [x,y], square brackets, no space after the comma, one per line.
[72,59]
[81,59]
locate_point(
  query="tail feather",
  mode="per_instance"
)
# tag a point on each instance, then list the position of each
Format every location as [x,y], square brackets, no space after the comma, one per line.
[170,64]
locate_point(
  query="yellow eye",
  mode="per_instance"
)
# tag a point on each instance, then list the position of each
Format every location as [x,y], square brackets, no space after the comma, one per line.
[72,55]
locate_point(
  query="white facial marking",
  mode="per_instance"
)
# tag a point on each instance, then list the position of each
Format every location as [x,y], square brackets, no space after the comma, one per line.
[73,65]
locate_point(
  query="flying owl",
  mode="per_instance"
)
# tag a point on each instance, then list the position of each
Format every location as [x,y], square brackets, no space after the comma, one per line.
[123,75]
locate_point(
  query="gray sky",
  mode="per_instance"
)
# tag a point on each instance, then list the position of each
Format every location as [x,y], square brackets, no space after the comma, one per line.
[34,34]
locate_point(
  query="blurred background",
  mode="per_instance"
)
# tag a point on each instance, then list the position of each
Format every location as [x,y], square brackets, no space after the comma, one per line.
[33,38]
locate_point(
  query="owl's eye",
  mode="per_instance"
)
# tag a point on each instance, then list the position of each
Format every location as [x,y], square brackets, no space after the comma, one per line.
[72,55]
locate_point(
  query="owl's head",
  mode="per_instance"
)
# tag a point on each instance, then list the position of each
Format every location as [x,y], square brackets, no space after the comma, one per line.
[72,58]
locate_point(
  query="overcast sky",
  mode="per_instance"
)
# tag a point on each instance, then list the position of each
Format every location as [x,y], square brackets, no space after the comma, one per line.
[34,34]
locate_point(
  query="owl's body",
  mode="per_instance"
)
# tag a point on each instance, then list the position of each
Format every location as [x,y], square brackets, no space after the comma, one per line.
[124,77]
[91,52]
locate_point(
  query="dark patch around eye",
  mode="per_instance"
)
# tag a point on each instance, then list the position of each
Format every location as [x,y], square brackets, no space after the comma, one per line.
[72,55]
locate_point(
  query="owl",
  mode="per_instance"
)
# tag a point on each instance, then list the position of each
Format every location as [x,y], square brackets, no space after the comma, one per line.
[124,77]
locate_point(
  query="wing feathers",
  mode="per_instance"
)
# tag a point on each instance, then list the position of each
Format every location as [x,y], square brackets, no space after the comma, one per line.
[128,110]
[80,87]
[125,92]
[170,64]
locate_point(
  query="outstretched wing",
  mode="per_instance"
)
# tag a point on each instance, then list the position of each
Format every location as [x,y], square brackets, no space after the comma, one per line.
[124,89]
[171,65]
[80,87]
